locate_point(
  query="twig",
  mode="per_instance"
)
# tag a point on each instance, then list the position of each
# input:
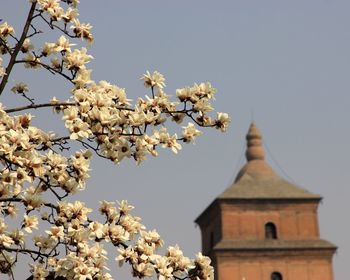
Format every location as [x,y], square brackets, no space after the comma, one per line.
[4,44]
[53,26]
[95,149]
[31,100]
[35,31]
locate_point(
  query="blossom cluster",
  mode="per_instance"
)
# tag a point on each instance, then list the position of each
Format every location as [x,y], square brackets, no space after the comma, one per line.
[25,163]
[38,169]
[86,258]
[101,111]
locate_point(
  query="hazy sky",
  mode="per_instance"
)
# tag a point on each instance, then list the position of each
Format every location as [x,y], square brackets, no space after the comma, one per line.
[285,64]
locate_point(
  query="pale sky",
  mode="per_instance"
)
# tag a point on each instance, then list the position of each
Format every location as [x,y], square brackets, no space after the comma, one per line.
[285,64]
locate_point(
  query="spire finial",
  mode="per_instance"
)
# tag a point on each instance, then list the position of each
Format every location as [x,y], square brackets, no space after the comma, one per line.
[255,150]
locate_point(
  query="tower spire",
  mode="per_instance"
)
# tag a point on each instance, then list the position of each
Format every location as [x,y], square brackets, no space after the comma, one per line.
[255,150]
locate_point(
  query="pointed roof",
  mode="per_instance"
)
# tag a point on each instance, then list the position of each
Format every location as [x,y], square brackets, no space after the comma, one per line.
[257,180]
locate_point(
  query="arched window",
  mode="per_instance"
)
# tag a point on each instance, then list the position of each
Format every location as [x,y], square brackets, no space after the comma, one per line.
[276,276]
[270,231]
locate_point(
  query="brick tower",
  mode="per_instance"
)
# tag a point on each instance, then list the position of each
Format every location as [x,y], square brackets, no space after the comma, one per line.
[263,227]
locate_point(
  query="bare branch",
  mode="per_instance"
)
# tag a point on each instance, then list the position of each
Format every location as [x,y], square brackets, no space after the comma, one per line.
[36,106]
[53,26]
[35,31]
[17,199]
[24,251]
[31,100]
[49,68]
[95,149]
[4,44]
[18,48]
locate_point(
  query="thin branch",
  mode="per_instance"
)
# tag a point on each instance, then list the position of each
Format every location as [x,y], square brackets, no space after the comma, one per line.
[57,195]
[35,31]
[126,109]
[49,68]
[31,100]
[197,122]
[4,44]
[17,199]
[36,106]
[14,38]
[24,251]
[53,26]
[18,48]
[95,149]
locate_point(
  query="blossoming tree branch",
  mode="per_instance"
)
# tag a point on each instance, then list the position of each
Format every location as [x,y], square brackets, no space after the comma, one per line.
[37,176]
